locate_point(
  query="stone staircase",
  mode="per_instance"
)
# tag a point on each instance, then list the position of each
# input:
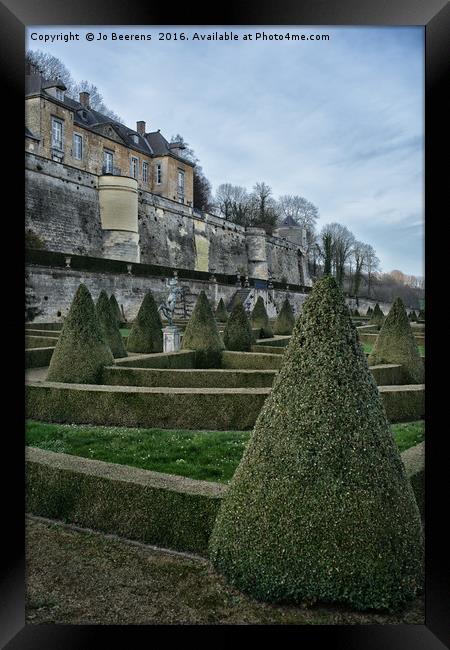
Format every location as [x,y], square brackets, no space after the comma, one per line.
[245,295]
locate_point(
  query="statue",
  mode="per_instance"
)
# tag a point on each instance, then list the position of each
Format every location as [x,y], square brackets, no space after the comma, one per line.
[167,308]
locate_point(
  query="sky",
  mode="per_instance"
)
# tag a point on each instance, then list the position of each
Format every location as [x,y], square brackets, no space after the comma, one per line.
[339,121]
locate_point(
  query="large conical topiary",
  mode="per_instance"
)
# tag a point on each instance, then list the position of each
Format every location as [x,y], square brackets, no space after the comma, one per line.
[396,343]
[146,332]
[221,312]
[320,507]
[202,335]
[108,323]
[260,320]
[81,351]
[377,317]
[285,321]
[369,311]
[238,332]
[116,310]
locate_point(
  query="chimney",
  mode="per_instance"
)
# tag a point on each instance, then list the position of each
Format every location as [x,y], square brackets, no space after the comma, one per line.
[140,128]
[84,99]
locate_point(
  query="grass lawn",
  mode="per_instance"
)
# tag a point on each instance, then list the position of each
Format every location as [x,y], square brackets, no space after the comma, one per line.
[368,348]
[204,455]
[125,331]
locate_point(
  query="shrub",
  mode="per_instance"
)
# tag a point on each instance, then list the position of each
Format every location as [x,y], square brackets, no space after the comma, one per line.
[421,315]
[369,311]
[412,316]
[396,344]
[202,335]
[221,312]
[146,332]
[285,321]
[116,310]
[110,329]
[320,507]
[377,317]
[238,332]
[260,320]
[81,352]
[356,313]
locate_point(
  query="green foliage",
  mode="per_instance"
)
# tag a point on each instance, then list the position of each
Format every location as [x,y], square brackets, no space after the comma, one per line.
[356,313]
[81,351]
[260,320]
[421,315]
[202,335]
[33,241]
[221,312]
[146,333]
[110,329]
[377,317]
[396,343]
[238,332]
[116,310]
[285,321]
[412,316]
[320,507]
[369,311]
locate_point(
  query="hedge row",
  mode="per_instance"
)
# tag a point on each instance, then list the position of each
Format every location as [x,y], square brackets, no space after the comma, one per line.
[51,334]
[371,338]
[38,357]
[280,342]
[169,511]
[188,378]
[268,349]
[387,375]
[216,409]
[183,408]
[52,327]
[251,360]
[182,359]
[39,342]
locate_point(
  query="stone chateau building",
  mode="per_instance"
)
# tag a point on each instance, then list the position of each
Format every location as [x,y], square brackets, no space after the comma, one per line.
[100,189]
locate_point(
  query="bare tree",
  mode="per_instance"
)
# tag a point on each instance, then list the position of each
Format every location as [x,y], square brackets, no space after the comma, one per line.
[371,265]
[341,244]
[264,210]
[233,203]
[299,209]
[202,186]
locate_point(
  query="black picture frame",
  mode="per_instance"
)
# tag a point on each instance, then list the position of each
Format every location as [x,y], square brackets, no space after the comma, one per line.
[15,15]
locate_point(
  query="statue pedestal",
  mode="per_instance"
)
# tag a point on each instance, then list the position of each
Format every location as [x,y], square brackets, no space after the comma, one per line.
[171,339]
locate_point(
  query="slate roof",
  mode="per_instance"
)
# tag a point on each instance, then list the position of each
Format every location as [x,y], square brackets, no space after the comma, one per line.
[29,134]
[290,222]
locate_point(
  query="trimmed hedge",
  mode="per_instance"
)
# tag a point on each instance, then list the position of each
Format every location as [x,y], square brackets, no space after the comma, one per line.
[320,507]
[181,359]
[188,378]
[414,462]
[238,332]
[260,320]
[285,321]
[202,335]
[116,310]
[32,342]
[51,327]
[108,323]
[268,349]
[221,312]
[377,316]
[251,360]
[38,357]
[44,333]
[280,342]
[81,351]
[396,343]
[403,403]
[387,375]
[214,409]
[169,511]
[146,333]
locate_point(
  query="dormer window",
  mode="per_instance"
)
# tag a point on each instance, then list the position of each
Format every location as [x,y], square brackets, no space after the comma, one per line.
[60,94]
[135,138]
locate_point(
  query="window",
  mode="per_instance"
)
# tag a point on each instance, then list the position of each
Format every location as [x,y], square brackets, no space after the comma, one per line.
[145,172]
[59,94]
[108,161]
[57,134]
[158,174]
[181,184]
[134,167]
[77,146]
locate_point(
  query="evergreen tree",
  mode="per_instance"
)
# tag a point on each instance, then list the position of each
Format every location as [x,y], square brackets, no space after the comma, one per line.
[260,320]
[108,323]
[221,312]
[238,332]
[146,332]
[202,335]
[116,310]
[285,321]
[396,343]
[377,317]
[320,507]
[81,351]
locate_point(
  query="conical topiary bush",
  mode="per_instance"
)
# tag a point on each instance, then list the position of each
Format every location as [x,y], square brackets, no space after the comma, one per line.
[377,317]
[221,312]
[369,311]
[202,335]
[396,343]
[285,321]
[421,315]
[110,329]
[260,320]
[116,310]
[81,351]
[356,313]
[320,507]
[238,332]
[146,332]
[412,316]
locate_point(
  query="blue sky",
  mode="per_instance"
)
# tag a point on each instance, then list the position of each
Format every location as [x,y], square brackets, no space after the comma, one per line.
[340,122]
